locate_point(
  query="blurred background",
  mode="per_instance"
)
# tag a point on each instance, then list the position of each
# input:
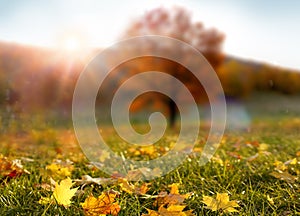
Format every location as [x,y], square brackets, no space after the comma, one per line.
[252,45]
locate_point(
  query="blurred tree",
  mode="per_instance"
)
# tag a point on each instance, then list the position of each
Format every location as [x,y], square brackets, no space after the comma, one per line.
[175,23]
[237,79]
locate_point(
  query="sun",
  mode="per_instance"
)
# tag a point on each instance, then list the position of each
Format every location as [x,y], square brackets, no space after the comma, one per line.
[72,44]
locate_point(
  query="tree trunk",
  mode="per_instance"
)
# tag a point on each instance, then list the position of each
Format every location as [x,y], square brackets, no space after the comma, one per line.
[172,113]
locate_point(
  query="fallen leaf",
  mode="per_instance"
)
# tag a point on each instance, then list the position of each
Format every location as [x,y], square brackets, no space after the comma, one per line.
[58,171]
[86,180]
[103,205]
[280,166]
[11,168]
[172,210]
[173,198]
[63,192]
[285,176]
[291,162]
[220,203]
[133,189]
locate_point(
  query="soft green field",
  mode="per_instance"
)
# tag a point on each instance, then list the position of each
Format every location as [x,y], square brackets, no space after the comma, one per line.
[258,166]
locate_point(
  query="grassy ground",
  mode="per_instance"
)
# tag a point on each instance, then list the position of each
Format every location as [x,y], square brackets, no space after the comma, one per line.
[258,167]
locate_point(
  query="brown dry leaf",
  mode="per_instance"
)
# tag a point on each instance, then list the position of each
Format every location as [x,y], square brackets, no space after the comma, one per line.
[103,205]
[86,180]
[132,189]
[220,203]
[11,168]
[143,172]
[173,198]
[285,176]
[173,210]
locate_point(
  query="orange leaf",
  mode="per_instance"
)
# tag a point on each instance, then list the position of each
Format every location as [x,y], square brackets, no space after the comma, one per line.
[103,205]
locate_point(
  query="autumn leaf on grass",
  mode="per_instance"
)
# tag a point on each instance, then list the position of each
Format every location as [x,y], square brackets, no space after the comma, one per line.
[284,175]
[173,198]
[58,171]
[11,168]
[173,210]
[86,179]
[63,192]
[220,203]
[46,186]
[103,205]
[133,189]
[280,166]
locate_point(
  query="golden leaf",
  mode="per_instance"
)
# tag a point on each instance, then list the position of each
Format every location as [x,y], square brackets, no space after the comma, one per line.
[221,203]
[174,188]
[280,165]
[292,161]
[172,210]
[63,192]
[103,205]
[58,171]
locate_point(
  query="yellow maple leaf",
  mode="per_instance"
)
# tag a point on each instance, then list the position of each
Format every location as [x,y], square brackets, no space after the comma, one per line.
[103,205]
[174,188]
[172,210]
[220,203]
[58,171]
[63,192]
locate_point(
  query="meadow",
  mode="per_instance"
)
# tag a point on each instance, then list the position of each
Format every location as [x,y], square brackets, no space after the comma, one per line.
[255,171]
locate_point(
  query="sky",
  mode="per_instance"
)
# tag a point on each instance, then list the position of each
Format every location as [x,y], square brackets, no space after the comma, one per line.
[266,30]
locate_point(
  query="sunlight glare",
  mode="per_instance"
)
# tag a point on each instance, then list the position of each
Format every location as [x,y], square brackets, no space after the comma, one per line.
[72,44]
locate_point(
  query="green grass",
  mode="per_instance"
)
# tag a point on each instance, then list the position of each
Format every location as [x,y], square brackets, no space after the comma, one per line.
[248,182]
[231,170]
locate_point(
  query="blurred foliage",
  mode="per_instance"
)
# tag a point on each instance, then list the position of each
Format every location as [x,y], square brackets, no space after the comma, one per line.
[36,80]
